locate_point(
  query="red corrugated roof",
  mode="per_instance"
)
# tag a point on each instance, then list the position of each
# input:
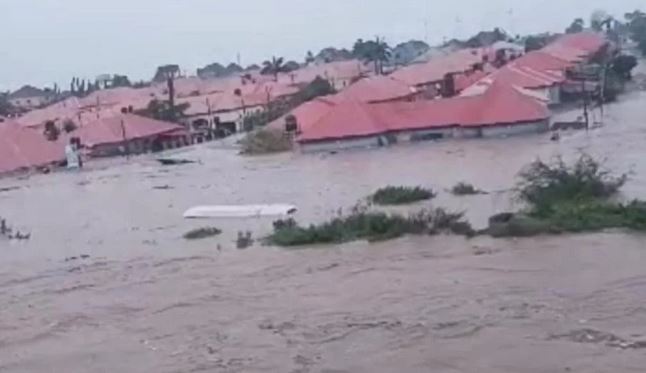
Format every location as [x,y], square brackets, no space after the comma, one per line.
[306,114]
[340,70]
[435,69]
[111,130]
[347,119]
[543,61]
[377,89]
[24,148]
[524,77]
[589,42]
[501,104]
[467,79]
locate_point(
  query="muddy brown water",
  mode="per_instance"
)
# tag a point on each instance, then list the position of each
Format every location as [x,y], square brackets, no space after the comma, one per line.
[146,300]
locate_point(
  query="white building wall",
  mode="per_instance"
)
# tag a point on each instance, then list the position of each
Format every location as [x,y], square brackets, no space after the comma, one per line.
[29,102]
[335,145]
[411,135]
[506,130]
[232,116]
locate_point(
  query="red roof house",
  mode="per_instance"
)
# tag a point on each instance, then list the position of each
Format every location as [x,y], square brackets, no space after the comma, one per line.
[436,69]
[502,109]
[109,136]
[348,119]
[588,42]
[378,88]
[502,104]
[125,126]
[24,148]
[306,114]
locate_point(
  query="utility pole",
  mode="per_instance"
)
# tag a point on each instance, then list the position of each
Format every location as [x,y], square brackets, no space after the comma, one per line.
[125,139]
[585,105]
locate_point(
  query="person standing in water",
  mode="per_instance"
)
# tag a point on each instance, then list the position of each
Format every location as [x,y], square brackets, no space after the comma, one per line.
[79,146]
[72,155]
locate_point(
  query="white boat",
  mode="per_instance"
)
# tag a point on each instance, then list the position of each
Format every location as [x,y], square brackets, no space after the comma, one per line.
[238,211]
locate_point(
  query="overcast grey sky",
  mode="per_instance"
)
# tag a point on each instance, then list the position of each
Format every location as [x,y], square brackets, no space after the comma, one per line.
[46,41]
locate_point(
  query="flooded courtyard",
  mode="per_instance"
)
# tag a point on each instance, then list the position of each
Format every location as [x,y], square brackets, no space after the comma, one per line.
[107,283]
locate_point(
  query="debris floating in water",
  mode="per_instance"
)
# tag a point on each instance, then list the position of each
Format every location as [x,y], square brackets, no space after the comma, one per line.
[239,211]
[8,232]
[174,162]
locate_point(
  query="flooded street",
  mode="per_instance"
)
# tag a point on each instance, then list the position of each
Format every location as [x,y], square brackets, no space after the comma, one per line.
[142,299]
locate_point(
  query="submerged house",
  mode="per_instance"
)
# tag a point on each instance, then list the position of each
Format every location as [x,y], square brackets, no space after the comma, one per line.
[445,75]
[551,72]
[130,134]
[501,110]
[22,149]
[29,97]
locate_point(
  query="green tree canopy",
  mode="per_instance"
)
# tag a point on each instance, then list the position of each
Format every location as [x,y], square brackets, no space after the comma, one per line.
[577,26]
[166,72]
[274,67]
[376,51]
[637,28]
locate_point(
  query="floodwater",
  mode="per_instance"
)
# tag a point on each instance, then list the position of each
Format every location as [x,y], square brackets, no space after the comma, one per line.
[146,300]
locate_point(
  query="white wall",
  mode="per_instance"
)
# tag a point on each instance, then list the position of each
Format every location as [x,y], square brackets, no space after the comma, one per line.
[406,136]
[506,130]
[334,145]
[29,102]
[233,116]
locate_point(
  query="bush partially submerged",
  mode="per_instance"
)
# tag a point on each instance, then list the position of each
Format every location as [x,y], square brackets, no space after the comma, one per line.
[545,186]
[371,226]
[200,233]
[569,199]
[265,141]
[401,195]
[464,189]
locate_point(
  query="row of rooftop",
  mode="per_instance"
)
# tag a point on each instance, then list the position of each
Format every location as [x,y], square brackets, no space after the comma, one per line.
[462,93]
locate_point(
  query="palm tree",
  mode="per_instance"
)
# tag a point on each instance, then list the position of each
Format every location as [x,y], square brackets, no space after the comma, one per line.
[273,67]
[379,53]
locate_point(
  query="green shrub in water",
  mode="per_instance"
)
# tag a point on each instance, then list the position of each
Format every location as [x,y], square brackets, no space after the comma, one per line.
[371,226]
[545,186]
[401,195]
[561,198]
[200,233]
[464,189]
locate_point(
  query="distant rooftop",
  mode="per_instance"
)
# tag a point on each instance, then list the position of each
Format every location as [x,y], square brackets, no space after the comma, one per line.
[27,92]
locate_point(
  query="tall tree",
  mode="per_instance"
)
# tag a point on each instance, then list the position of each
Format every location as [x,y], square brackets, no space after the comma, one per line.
[162,110]
[164,72]
[598,18]
[577,26]
[376,51]
[120,81]
[273,67]
[6,108]
[623,66]
[309,58]
[637,28]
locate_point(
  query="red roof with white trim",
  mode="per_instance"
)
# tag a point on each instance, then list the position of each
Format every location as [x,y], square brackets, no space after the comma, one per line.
[112,130]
